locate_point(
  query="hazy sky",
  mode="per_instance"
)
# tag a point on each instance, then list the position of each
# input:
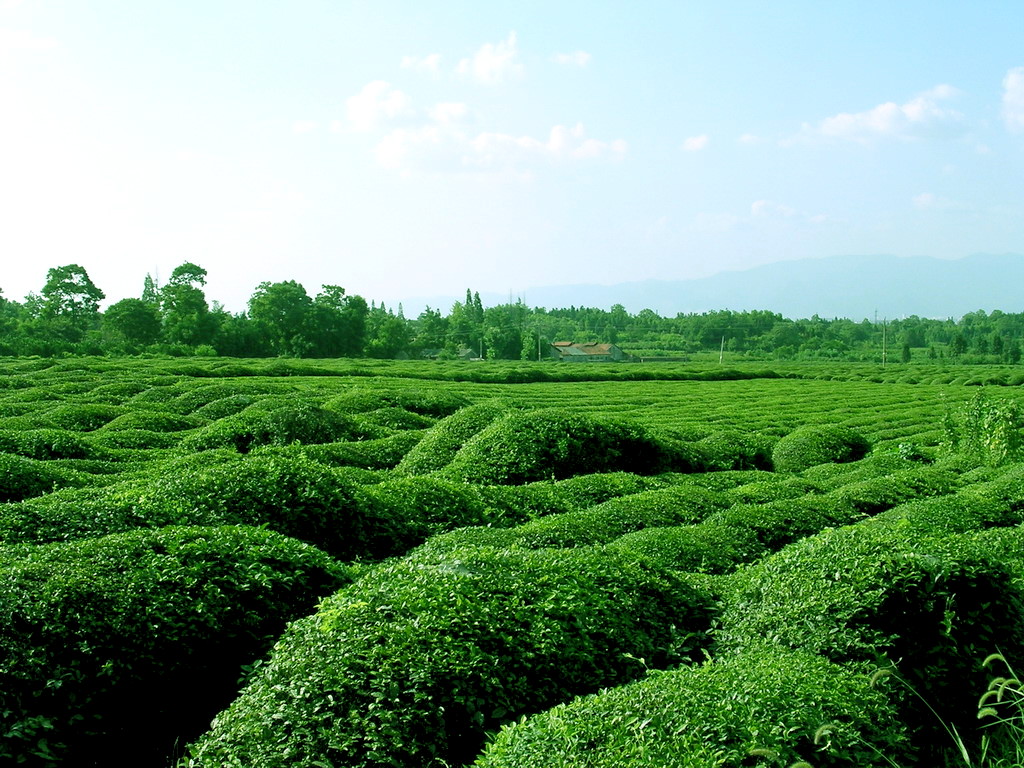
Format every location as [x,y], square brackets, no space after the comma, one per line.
[404,149]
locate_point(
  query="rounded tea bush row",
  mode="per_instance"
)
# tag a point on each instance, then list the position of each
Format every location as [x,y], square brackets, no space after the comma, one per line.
[115,648]
[416,661]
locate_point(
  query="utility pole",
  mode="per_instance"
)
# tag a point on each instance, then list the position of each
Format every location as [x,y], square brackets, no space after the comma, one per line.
[721,352]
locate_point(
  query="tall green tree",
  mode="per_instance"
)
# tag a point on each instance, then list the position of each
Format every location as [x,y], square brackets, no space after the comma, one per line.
[186,315]
[339,323]
[282,312]
[134,320]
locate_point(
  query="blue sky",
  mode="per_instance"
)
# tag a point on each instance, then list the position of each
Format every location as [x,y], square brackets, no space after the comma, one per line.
[414,149]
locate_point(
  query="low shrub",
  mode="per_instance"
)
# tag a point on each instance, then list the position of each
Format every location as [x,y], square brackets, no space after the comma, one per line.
[45,443]
[225,406]
[818,444]
[587,490]
[676,505]
[872,597]
[409,510]
[133,438]
[766,707]
[83,417]
[511,505]
[443,441]
[416,661]
[552,444]
[437,403]
[280,426]
[116,648]
[22,477]
[868,497]
[706,548]
[396,419]
[775,488]
[737,450]
[382,453]
[944,515]
[289,494]
[778,523]
[154,421]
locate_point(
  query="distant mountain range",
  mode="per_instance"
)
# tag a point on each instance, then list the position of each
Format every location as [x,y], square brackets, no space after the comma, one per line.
[856,287]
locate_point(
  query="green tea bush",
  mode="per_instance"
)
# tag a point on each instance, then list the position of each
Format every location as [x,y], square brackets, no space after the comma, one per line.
[588,490]
[511,505]
[818,444]
[381,453]
[281,426]
[876,464]
[83,417]
[45,444]
[443,441]
[765,707]
[870,596]
[553,444]
[22,477]
[869,497]
[944,515]
[416,661]
[705,548]
[115,648]
[133,438]
[411,509]
[118,392]
[153,421]
[196,397]
[729,479]
[396,419]
[776,488]
[289,494]
[737,450]
[676,505]
[224,406]
[1007,488]
[986,432]
[778,523]
[432,402]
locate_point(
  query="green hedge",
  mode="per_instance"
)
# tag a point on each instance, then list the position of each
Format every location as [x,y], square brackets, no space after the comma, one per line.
[154,421]
[22,477]
[290,494]
[706,548]
[763,708]
[737,450]
[871,596]
[818,444]
[778,523]
[555,444]
[380,453]
[443,441]
[115,648]
[415,662]
[46,444]
[282,425]
[868,497]
[437,403]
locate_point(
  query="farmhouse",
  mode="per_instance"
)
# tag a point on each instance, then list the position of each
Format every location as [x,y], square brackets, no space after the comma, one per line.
[585,353]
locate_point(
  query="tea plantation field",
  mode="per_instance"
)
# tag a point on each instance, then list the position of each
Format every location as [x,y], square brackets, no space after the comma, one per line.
[363,563]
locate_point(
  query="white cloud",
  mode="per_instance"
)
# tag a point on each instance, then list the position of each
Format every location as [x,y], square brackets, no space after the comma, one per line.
[445,146]
[696,143]
[1013,99]
[430,64]
[574,59]
[493,63]
[750,139]
[377,102]
[924,116]
[449,112]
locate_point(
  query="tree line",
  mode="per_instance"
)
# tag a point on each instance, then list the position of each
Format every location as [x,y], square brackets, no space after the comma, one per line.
[283,319]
